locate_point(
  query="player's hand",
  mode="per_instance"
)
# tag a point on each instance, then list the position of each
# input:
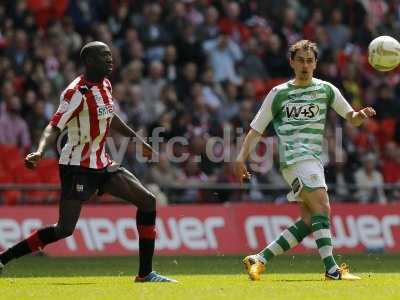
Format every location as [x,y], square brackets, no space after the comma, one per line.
[360,116]
[32,159]
[366,113]
[148,151]
[240,170]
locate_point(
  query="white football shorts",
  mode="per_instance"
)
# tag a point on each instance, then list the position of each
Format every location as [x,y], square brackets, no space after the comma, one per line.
[307,174]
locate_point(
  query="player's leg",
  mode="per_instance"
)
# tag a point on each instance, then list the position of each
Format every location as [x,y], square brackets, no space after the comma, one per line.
[69,211]
[317,201]
[123,184]
[289,238]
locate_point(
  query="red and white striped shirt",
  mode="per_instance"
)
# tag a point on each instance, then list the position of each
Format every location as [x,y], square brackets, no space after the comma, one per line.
[87,110]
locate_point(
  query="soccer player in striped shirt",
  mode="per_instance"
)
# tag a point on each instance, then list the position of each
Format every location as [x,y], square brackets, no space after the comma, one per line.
[298,110]
[87,111]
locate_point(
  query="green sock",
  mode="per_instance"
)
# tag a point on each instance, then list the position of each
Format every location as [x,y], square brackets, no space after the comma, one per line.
[288,239]
[322,234]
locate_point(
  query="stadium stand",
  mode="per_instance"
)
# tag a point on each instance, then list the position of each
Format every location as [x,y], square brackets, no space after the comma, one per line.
[195,67]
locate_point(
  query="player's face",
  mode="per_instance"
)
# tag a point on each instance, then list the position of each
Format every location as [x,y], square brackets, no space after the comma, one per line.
[103,62]
[303,64]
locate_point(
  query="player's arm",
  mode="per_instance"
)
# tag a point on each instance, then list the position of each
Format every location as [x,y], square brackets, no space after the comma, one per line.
[122,128]
[250,141]
[344,109]
[258,125]
[48,138]
[70,104]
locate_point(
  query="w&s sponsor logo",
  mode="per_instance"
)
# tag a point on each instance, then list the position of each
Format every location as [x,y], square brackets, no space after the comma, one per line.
[301,111]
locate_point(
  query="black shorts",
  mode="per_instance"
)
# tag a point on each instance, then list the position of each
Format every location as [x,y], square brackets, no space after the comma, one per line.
[81,183]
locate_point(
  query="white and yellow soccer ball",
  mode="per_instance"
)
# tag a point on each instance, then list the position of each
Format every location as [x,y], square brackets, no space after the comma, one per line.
[384,53]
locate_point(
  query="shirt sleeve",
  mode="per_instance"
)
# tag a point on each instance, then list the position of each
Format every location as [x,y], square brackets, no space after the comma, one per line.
[339,103]
[70,102]
[264,116]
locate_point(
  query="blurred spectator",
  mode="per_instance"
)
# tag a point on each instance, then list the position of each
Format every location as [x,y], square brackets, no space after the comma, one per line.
[176,20]
[338,33]
[37,120]
[194,16]
[151,87]
[252,66]
[169,98]
[376,9]
[164,174]
[137,115]
[275,58]
[389,26]
[289,28]
[365,33]
[386,105]
[223,54]
[245,116]
[152,33]
[13,129]
[71,39]
[185,81]
[310,27]
[18,50]
[337,174]
[171,68]
[226,175]
[188,46]
[132,73]
[194,176]
[369,182]
[209,30]
[232,25]
[391,163]
[352,89]
[230,105]
[211,91]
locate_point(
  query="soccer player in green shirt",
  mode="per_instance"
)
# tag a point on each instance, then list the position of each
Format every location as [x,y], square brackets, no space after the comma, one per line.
[298,110]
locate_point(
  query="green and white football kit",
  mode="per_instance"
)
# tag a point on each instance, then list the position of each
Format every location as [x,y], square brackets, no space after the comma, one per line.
[298,115]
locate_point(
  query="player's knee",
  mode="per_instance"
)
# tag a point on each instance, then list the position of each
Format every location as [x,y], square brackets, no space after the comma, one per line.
[318,202]
[149,202]
[324,207]
[64,231]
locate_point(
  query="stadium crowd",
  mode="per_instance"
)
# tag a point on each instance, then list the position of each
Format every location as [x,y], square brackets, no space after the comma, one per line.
[195,68]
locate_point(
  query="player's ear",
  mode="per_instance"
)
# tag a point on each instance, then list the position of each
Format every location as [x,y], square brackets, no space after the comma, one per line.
[89,60]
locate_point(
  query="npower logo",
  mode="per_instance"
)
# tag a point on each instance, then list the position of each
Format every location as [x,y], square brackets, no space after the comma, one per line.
[349,231]
[95,234]
[231,230]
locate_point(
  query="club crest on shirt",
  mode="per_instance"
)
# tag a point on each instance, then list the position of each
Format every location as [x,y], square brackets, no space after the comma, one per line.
[105,111]
[301,111]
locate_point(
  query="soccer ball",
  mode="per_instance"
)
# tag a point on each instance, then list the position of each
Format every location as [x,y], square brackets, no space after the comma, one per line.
[384,53]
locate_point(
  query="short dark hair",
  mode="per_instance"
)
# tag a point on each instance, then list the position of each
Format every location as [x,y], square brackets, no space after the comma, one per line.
[305,45]
[89,49]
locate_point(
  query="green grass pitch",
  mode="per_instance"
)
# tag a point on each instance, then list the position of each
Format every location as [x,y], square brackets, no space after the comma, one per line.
[217,277]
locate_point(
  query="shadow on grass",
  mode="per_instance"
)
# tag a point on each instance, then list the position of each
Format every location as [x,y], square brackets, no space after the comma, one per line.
[297,280]
[189,265]
[71,283]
